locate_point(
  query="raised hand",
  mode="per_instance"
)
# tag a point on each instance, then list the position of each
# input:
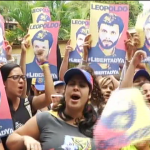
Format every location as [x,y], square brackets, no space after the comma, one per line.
[131,45]
[25,44]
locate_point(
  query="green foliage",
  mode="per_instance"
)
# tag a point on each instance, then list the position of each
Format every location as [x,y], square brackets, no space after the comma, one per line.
[60,11]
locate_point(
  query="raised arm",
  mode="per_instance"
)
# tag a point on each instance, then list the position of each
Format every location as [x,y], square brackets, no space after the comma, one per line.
[64,64]
[44,100]
[24,46]
[136,60]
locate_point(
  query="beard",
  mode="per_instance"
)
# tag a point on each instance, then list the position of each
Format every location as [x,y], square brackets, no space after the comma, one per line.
[107,46]
[80,49]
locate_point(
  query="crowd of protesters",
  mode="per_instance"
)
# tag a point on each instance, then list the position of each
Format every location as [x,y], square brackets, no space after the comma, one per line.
[69,106]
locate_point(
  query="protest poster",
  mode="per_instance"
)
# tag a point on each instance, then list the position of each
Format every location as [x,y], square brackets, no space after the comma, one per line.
[42,36]
[2,43]
[105,69]
[41,15]
[79,30]
[143,29]
[108,26]
[6,124]
[123,124]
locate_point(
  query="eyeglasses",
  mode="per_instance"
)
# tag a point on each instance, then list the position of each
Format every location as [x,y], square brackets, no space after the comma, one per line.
[17,77]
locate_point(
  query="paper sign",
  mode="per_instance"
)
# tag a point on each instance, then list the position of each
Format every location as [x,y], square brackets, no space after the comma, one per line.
[124,121]
[108,26]
[6,124]
[79,30]
[41,15]
[42,36]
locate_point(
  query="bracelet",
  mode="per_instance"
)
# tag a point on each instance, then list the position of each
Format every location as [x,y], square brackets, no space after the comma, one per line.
[44,65]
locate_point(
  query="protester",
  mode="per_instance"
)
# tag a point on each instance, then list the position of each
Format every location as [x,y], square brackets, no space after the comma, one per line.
[74,127]
[107,86]
[14,82]
[59,92]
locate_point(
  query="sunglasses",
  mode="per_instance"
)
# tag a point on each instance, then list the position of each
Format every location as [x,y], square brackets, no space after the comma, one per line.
[17,77]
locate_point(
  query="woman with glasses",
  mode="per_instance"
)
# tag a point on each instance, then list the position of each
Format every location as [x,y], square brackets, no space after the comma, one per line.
[22,109]
[68,126]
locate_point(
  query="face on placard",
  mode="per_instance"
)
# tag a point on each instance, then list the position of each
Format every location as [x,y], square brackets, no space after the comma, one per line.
[77,93]
[80,40]
[108,35]
[41,46]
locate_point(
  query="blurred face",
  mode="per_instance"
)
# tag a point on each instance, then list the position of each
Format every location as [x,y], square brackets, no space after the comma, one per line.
[80,40]
[15,83]
[147,33]
[142,145]
[77,93]
[107,89]
[139,81]
[146,92]
[60,89]
[41,47]
[108,35]
[56,99]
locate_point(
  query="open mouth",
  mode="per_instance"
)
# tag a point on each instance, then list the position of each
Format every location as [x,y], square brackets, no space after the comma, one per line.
[21,87]
[75,97]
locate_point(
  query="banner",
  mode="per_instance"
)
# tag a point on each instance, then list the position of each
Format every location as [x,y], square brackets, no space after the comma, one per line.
[79,30]
[108,26]
[6,124]
[123,124]
[41,15]
[105,69]
[42,36]
[2,43]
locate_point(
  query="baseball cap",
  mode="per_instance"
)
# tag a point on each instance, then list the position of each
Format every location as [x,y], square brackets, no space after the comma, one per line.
[75,71]
[59,83]
[39,83]
[141,73]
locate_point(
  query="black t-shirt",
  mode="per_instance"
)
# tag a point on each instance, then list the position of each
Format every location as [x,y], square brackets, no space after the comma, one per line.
[21,115]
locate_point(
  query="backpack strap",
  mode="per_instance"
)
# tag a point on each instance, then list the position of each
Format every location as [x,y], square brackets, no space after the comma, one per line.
[28,106]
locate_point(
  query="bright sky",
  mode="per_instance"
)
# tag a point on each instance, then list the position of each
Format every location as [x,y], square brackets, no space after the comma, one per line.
[146,4]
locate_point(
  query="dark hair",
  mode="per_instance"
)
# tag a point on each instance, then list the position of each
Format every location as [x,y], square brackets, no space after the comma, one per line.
[6,69]
[111,19]
[105,80]
[97,98]
[82,30]
[43,35]
[85,125]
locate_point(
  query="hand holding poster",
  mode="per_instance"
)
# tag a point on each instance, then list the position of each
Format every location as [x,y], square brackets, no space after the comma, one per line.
[108,26]
[79,30]
[6,124]
[42,37]
[123,124]
[41,15]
